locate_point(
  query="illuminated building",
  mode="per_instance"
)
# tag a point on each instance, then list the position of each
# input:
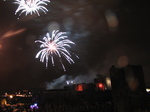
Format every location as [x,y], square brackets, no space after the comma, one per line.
[23,96]
[77,100]
[80,87]
[76,97]
[123,91]
[100,82]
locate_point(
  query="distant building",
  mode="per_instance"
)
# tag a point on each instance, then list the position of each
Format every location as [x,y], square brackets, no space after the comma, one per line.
[80,97]
[65,100]
[128,88]
[102,82]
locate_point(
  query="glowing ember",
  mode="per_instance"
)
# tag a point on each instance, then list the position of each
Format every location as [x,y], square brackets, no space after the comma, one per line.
[79,87]
[101,86]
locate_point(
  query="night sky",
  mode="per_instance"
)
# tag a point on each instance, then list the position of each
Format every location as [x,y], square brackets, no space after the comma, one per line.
[106,33]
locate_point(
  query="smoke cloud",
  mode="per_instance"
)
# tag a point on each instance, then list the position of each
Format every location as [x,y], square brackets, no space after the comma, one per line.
[60,82]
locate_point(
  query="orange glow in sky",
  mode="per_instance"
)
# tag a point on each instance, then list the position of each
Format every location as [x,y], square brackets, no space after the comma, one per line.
[12,33]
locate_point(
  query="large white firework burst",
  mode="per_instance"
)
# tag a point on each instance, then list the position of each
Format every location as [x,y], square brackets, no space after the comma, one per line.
[55,45]
[31,6]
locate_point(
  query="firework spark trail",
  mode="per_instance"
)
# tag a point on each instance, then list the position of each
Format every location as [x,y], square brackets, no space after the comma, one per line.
[56,44]
[31,6]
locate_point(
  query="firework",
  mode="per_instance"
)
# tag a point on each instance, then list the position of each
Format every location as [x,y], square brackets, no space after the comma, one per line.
[55,45]
[31,6]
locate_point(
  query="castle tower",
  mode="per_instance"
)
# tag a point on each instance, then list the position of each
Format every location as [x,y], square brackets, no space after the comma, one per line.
[128,88]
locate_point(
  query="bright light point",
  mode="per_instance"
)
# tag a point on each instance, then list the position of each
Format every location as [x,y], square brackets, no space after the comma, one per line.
[147,89]
[69,82]
[53,45]
[100,85]
[11,96]
[108,82]
[31,6]
[35,104]
[79,87]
